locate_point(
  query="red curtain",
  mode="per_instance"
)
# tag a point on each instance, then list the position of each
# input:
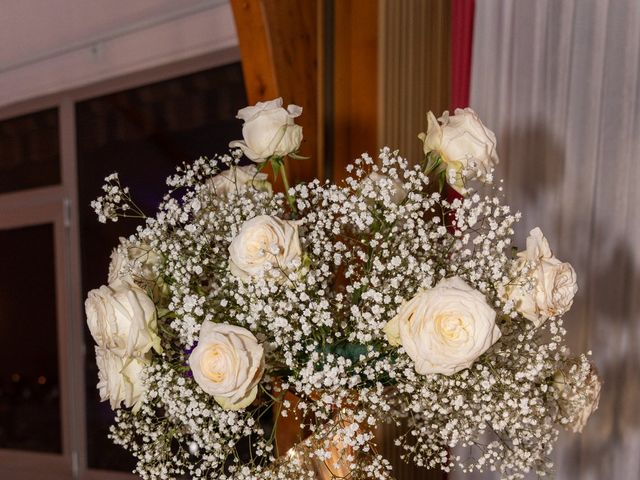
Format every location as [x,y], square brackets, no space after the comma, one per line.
[461,44]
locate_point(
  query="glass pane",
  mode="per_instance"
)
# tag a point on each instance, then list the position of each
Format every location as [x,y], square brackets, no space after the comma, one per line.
[29,388]
[143,134]
[29,151]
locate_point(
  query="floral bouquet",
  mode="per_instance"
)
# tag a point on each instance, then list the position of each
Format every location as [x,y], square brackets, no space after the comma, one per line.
[246,334]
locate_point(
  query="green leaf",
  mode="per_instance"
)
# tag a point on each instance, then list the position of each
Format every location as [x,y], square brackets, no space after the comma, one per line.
[351,351]
[442,178]
[433,161]
[276,164]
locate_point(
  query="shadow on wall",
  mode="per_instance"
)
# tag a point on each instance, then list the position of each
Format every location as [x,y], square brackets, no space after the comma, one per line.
[586,225]
[595,239]
[537,166]
[614,430]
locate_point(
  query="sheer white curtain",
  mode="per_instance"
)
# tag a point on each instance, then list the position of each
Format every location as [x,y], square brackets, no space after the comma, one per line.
[558,80]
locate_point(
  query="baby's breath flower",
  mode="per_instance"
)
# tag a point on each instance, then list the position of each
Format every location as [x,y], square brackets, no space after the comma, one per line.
[365,248]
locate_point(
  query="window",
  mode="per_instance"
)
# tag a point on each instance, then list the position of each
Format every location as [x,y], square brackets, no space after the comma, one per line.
[29,380]
[29,151]
[36,381]
[53,250]
[143,134]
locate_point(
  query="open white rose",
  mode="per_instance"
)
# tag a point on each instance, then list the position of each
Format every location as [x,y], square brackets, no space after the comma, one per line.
[238,179]
[228,363]
[120,379]
[543,286]
[122,318]
[444,329]
[386,185]
[265,244]
[466,146]
[268,130]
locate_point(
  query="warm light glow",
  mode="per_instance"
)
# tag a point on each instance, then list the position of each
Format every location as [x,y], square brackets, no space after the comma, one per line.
[42,379]
[15,377]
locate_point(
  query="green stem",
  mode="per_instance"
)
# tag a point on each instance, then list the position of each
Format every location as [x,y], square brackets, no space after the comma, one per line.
[274,439]
[285,181]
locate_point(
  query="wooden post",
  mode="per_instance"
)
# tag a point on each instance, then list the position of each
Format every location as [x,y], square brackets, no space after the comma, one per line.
[282,45]
[355,121]
[279,51]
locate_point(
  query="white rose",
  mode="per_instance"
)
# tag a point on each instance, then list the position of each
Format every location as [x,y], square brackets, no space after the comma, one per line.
[120,379]
[269,130]
[239,179]
[228,363]
[444,329]
[122,318]
[466,146]
[543,286]
[265,244]
[385,185]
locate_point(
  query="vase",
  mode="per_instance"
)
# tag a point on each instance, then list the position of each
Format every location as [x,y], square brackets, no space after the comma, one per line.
[290,438]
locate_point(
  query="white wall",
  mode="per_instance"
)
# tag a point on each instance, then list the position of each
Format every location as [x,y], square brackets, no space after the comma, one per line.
[49,46]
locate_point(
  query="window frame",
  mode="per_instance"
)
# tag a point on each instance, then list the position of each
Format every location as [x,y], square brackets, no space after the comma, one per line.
[59,205]
[25,210]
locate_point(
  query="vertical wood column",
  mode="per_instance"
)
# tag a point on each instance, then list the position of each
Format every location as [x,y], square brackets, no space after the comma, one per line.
[356,102]
[387,63]
[279,49]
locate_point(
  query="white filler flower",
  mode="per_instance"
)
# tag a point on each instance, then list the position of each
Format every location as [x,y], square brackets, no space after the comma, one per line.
[269,130]
[467,147]
[265,244]
[130,262]
[376,184]
[444,329]
[238,179]
[228,363]
[122,318]
[544,286]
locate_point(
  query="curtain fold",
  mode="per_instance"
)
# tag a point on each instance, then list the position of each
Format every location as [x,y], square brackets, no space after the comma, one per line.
[558,81]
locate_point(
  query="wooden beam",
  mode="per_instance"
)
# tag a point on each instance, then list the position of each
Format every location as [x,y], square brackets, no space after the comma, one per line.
[279,50]
[282,49]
